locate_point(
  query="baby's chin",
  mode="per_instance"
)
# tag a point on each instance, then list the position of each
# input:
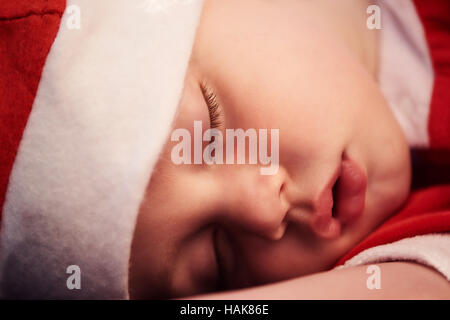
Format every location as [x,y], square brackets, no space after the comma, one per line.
[392,186]
[386,193]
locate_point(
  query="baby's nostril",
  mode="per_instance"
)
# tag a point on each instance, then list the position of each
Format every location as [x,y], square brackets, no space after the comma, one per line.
[281,189]
[279,232]
[334,192]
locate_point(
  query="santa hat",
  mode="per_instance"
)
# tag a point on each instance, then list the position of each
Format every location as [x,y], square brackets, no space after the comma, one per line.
[85,108]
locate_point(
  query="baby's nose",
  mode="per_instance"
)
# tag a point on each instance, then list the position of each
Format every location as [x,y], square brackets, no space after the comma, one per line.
[256,202]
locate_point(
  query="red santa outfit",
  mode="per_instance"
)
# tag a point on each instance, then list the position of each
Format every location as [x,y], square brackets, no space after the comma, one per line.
[84,113]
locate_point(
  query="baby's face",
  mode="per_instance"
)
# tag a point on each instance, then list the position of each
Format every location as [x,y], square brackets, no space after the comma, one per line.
[206,227]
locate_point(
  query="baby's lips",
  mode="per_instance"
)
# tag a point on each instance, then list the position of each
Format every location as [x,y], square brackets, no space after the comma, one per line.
[350,193]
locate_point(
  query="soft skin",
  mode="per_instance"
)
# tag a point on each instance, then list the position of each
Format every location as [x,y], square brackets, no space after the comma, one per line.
[307,68]
[398,280]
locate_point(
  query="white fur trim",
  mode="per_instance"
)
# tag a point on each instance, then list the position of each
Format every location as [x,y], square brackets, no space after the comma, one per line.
[406,74]
[103,109]
[432,250]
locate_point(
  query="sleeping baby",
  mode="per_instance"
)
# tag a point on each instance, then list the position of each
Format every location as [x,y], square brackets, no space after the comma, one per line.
[312,71]
[224,149]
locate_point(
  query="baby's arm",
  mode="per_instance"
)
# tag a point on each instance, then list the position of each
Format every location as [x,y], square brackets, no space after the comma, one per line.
[399,280]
